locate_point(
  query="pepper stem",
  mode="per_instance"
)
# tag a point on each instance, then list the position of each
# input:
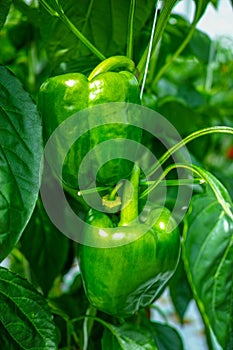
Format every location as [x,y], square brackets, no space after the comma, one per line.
[114,191]
[129,211]
[111,64]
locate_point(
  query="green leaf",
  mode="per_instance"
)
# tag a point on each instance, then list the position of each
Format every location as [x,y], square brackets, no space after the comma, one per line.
[180,291]
[4,9]
[208,258]
[166,337]
[176,30]
[45,247]
[188,119]
[219,190]
[199,46]
[127,337]
[215,3]
[27,10]
[20,157]
[108,36]
[25,319]
[201,5]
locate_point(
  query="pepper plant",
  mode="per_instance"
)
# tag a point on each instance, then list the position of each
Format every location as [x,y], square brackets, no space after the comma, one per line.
[88,251]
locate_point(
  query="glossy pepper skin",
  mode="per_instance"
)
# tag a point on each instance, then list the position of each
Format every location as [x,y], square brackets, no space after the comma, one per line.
[119,280]
[62,96]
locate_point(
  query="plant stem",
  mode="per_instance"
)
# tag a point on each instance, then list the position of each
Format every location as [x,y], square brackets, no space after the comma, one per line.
[107,325]
[88,325]
[219,190]
[175,182]
[90,191]
[50,10]
[112,63]
[81,37]
[129,52]
[129,211]
[182,143]
[114,191]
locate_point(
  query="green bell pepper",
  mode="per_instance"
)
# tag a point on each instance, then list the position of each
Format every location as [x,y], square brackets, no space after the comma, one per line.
[119,280]
[62,96]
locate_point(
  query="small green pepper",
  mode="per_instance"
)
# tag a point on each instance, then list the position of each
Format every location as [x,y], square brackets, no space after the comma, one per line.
[62,96]
[120,280]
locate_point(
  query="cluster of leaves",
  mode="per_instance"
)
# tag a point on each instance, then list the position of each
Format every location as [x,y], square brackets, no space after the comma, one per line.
[44,305]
